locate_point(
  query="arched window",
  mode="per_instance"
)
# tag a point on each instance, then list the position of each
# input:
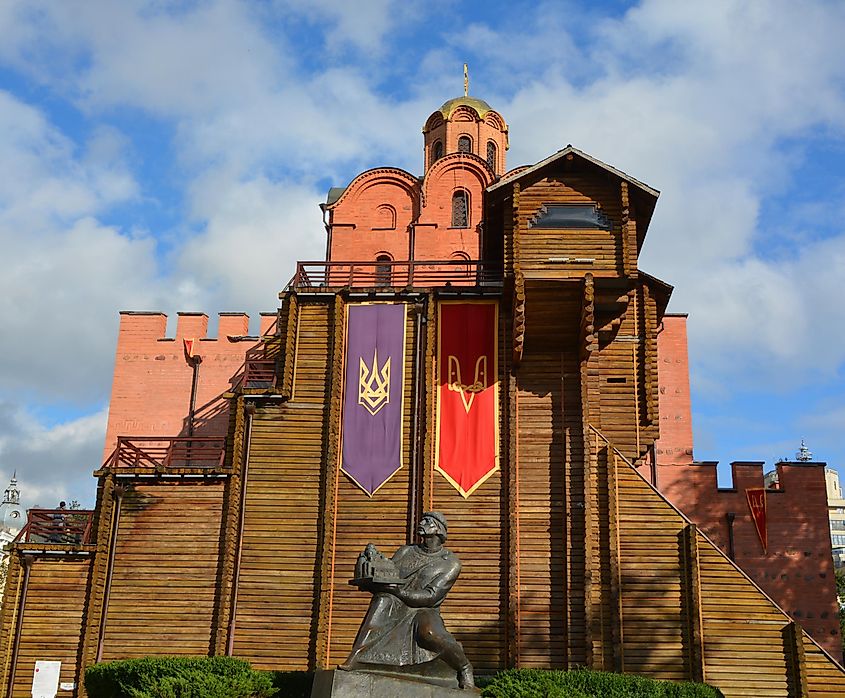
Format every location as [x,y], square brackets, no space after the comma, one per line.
[384,271]
[460,209]
[464,144]
[491,155]
[462,269]
[436,151]
[385,217]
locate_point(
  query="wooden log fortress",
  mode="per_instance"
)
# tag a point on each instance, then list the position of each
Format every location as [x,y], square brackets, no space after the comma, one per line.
[571,556]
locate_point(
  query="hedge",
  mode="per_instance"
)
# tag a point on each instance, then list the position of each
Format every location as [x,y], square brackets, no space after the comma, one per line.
[178,677]
[584,683]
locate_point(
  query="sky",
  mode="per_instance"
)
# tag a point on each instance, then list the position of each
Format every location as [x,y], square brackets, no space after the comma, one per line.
[171,155]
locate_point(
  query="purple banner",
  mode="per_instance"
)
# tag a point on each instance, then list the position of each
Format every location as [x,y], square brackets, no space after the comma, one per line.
[373,392]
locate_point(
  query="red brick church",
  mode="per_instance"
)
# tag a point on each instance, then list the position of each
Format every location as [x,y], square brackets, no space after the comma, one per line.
[230,509]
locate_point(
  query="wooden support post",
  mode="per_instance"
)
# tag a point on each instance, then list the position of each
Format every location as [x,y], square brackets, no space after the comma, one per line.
[235,497]
[518,285]
[330,468]
[514,572]
[629,234]
[106,511]
[793,642]
[587,345]
[615,561]
[288,355]
[519,327]
[566,529]
[430,370]
[694,629]
[12,606]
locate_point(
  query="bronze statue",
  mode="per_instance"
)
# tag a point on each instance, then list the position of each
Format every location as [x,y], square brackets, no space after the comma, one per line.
[403,630]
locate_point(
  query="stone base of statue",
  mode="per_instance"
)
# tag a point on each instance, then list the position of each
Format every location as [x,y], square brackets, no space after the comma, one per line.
[423,683]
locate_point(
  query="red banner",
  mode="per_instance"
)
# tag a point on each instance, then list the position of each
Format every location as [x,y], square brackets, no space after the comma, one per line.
[467,450]
[757,504]
[188,344]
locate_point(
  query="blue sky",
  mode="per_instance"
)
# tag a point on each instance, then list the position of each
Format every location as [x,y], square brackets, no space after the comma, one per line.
[171,156]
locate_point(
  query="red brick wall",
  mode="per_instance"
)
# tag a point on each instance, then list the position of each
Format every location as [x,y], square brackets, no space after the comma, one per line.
[151,389]
[797,570]
[357,218]
[675,442]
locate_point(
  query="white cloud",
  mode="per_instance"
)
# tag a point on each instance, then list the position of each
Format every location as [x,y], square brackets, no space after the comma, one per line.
[254,231]
[695,99]
[52,463]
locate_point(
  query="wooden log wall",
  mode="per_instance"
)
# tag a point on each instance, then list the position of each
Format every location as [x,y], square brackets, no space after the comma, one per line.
[163,581]
[47,621]
[549,588]
[275,617]
[537,245]
[688,613]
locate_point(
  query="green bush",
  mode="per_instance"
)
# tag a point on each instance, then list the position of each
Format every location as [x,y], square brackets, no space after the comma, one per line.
[178,677]
[293,684]
[583,683]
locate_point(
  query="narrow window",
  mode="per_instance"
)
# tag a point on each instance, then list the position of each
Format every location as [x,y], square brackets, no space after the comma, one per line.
[464,144]
[460,209]
[436,151]
[461,268]
[386,217]
[491,155]
[383,270]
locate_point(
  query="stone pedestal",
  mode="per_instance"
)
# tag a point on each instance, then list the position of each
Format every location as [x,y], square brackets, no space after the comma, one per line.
[336,683]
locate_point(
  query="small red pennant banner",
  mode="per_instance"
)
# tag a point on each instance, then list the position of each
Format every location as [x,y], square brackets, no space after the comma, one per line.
[757,504]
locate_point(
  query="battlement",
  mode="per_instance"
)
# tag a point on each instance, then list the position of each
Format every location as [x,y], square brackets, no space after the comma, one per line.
[192,325]
[796,568]
[157,391]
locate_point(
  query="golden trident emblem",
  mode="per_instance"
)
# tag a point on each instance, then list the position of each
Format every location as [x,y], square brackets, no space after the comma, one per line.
[373,384]
[467,391]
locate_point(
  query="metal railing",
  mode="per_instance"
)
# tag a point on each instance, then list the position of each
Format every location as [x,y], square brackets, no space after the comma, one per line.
[63,526]
[162,453]
[259,373]
[386,274]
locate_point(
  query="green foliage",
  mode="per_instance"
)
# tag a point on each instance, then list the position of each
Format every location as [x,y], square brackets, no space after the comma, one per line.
[840,594]
[178,677]
[292,684]
[583,683]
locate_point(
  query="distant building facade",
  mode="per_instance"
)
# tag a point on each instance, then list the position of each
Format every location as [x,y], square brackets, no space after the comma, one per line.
[836,514]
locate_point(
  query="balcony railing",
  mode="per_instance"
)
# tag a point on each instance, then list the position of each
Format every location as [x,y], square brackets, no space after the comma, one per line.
[259,373]
[163,453]
[384,274]
[63,526]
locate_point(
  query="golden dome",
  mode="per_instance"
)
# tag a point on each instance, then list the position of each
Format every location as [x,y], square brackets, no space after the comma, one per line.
[479,105]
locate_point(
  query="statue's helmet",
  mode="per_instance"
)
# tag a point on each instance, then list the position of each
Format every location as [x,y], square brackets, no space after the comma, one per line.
[440,520]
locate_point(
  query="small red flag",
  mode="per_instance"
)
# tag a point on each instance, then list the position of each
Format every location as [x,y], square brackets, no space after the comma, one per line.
[757,504]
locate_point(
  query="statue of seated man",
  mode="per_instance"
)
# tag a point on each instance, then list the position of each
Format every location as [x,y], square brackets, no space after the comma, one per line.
[403,626]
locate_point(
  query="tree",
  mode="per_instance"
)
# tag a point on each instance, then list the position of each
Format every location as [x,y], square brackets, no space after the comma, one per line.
[840,594]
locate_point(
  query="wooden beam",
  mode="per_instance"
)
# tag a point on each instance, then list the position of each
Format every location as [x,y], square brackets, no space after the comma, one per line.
[793,641]
[518,318]
[330,468]
[290,325]
[615,568]
[514,579]
[230,545]
[694,628]
[106,510]
[587,345]
[629,234]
